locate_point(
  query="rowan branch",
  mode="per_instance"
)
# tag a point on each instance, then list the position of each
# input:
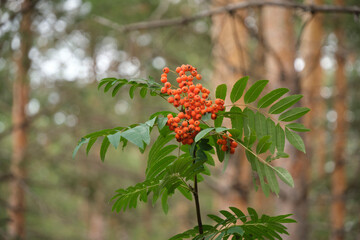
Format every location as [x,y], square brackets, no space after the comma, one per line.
[230,8]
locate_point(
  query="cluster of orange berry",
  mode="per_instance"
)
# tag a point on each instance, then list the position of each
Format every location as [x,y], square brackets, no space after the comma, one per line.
[194,101]
[226,142]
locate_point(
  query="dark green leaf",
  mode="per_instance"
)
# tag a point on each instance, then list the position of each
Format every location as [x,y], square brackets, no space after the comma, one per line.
[295,140]
[271,97]
[90,144]
[117,88]
[298,127]
[238,89]
[237,120]
[254,91]
[105,80]
[143,92]
[280,138]
[221,91]
[132,90]
[263,145]
[285,176]
[104,147]
[293,114]
[284,104]
[202,134]
[235,229]
[164,203]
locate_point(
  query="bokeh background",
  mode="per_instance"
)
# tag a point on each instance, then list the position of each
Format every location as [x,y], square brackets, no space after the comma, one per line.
[53,54]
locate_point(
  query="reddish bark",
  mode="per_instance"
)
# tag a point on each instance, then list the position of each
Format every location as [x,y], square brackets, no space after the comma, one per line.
[16,211]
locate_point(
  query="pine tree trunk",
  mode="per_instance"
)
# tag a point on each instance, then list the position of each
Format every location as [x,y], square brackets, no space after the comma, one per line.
[278,30]
[338,178]
[16,226]
[311,83]
[230,40]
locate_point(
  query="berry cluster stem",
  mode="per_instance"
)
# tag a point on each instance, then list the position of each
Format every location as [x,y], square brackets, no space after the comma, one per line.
[197,202]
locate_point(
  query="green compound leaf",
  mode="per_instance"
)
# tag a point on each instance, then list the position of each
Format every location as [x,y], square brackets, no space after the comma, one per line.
[221,91]
[255,90]
[284,104]
[295,140]
[293,114]
[238,89]
[285,176]
[271,97]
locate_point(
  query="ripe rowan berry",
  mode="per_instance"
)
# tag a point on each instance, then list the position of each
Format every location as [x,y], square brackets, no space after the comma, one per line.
[166,70]
[167,84]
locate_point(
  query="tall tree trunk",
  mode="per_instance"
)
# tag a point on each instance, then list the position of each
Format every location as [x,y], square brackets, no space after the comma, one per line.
[311,83]
[16,226]
[230,63]
[338,179]
[279,61]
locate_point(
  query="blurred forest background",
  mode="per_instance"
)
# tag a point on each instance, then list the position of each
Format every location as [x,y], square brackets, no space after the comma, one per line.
[53,53]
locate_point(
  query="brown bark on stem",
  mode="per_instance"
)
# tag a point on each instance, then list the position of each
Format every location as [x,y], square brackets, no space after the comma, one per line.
[16,226]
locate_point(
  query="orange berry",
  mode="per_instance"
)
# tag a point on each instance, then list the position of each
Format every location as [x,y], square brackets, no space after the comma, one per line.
[163,90]
[178,69]
[169,91]
[219,141]
[163,80]
[169,116]
[197,123]
[197,129]
[198,76]
[218,101]
[170,99]
[205,96]
[177,119]
[166,70]
[184,123]
[234,144]
[224,148]
[232,150]
[213,116]
[181,115]
[167,84]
